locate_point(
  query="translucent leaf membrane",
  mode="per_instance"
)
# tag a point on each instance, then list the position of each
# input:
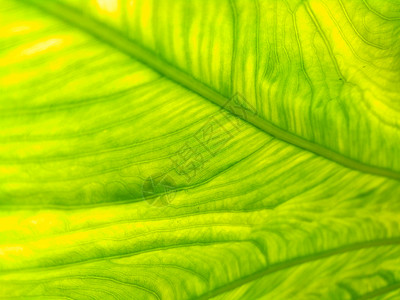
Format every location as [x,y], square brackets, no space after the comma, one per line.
[325,71]
[119,183]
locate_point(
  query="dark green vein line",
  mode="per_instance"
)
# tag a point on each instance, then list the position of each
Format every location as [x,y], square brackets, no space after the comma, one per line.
[40,268]
[113,38]
[234,39]
[302,260]
[88,277]
[370,8]
[381,291]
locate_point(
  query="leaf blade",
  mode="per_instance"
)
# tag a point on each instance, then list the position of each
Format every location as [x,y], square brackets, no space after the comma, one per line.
[229,219]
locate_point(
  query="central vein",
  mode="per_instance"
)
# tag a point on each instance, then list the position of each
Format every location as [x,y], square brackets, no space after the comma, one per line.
[123,44]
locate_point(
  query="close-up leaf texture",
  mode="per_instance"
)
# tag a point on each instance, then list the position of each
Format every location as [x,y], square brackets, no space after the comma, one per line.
[202,149]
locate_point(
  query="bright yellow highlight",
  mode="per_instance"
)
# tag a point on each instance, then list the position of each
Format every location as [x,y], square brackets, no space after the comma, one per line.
[10,249]
[20,28]
[42,46]
[17,28]
[108,5]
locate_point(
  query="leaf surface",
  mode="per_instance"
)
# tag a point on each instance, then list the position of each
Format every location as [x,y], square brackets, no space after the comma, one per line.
[334,65]
[126,180]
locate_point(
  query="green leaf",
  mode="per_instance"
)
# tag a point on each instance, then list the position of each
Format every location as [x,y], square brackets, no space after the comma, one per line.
[202,149]
[335,66]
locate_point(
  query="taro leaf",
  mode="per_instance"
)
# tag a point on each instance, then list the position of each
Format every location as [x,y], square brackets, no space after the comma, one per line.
[202,149]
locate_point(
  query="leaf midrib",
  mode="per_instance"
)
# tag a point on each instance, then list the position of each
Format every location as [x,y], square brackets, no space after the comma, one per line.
[123,44]
[113,38]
